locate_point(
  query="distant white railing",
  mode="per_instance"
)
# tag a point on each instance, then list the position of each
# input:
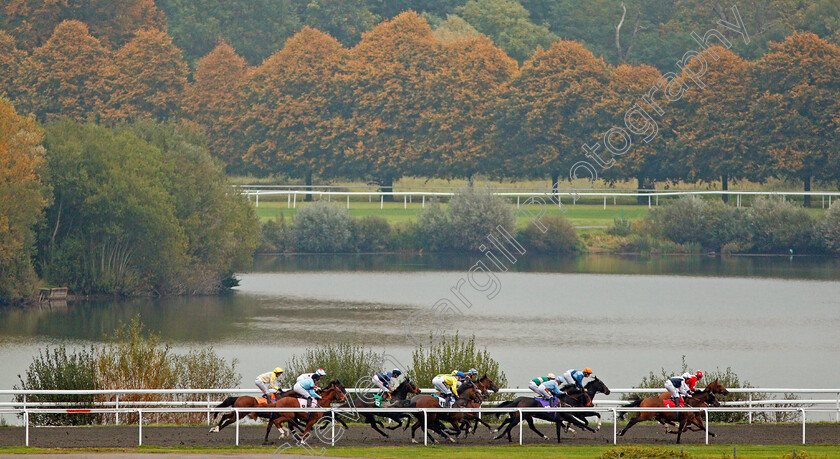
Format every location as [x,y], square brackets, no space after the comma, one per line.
[572,196]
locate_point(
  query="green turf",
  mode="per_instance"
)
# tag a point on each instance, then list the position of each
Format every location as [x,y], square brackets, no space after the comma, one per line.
[512,451]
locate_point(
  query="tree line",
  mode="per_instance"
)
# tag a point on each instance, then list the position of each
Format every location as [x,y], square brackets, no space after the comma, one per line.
[406,100]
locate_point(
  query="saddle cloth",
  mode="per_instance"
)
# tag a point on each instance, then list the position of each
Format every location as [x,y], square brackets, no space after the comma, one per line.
[441,401]
[670,404]
[303,402]
[262,402]
[543,402]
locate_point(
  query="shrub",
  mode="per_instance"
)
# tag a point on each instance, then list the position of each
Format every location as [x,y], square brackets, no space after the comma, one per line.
[346,362]
[725,226]
[475,213]
[778,226]
[620,227]
[560,236]
[55,369]
[433,230]
[453,353]
[646,452]
[322,227]
[275,236]
[827,232]
[680,221]
[372,233]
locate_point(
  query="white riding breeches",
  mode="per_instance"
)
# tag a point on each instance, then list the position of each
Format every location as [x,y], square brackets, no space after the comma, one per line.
[262,386]
[441,386]
[379,384]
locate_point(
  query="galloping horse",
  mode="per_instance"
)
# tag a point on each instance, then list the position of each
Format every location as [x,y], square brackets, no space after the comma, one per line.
[485,385]
[467,393]
[714,387]
[398,395]
[699,399]
[245,401]
[333,392]
[581,399]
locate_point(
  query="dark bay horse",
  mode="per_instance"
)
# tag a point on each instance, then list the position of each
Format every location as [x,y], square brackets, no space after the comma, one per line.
[700,399]
[485,385]
[466,393]
[397,395]
[244,401]
[556,417]
[572,398]
[333,392]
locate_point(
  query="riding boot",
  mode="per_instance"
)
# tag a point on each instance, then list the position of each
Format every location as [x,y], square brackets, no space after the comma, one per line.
[677,401]
[682,402]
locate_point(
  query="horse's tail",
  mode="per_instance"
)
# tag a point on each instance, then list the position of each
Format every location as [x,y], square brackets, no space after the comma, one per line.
[228,402]
[632,404]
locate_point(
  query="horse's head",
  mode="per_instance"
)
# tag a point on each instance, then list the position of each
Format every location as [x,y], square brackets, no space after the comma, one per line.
[488,383]
[716,387]
[335,391]
[578,397]
[407,387]
[595,386]
[469,390]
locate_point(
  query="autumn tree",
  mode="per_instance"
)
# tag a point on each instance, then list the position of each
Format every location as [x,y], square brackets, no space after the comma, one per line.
[64,76]
[797,84]
[550,110]
[297,108]
[392,69]
[11,61]
[21,194]
[466,85]
[146,79]
[454,28]
[507,23]
[713,121]
[213,101]
[113,22]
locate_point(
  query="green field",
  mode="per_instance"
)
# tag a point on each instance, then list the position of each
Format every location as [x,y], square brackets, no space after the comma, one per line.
[514,452]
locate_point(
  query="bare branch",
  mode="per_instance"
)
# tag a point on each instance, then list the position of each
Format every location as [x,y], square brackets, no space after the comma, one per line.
[618,32]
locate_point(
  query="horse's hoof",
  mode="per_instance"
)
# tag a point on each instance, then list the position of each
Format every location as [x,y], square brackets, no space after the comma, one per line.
[214,429]
[413,440]
[545,437]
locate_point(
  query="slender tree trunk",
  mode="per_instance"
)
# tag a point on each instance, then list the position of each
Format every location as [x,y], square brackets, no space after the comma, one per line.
[555,178]
[387,186]
[807,180]
[642,184]
[308,186]
[724,180]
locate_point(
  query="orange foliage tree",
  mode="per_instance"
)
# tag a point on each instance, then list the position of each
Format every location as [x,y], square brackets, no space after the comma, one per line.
[213,99]
[146,79]
[64,76]
[11,60]
[465,87]
[297,108]
[22,197]
[113,22]
[798,82]
[551,109]
[392,69]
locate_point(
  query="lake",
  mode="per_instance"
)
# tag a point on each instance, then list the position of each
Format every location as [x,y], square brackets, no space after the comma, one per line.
[774,320]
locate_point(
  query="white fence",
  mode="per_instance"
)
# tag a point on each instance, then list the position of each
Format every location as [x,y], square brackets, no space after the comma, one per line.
[27,408]
[572,196]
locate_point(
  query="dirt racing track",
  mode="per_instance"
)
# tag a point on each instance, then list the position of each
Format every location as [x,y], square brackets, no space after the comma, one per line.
[359,435]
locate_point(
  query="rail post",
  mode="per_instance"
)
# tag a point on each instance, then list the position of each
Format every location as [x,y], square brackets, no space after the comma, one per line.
[803,424]
[258,198]
[208,409]
[424,201]
[405,202]
[615,427]
[26,421]
[837,414]
[381,201]
[520,427]
[706,410]
[139,427]
[332,438]
[749,414]
[425,427]
[288,200]
[348,201]
[648,201]
[236,413]
[294,201]
[605,202]
[117,411]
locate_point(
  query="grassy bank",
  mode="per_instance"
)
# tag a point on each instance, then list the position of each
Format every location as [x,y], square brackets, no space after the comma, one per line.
[506,451]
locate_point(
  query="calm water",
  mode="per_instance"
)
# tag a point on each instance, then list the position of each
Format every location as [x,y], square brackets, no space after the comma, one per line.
[775,321]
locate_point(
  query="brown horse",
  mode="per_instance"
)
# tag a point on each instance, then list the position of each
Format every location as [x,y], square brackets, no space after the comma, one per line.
[333,392]
[239,402]
[398,396]
[699,399]
[485,385]
[466,393]
[714,387]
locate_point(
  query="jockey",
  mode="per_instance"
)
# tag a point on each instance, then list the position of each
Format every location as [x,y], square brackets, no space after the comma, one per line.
[574,377]
[306,389]
[534,384]
[551,386]
[691,380]
[447,385]
[678,388]
[267,383]
[383,380]
[472,373]
[320,372]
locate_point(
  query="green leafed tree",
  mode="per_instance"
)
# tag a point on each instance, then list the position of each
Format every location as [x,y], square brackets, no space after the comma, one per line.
[508,24]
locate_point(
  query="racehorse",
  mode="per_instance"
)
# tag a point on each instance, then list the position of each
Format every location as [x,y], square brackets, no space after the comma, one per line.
[333,392]
[699,399]
[485,385]
[398,395]
[466,393]
[556,417]
[572,398]
[714,387]
[245,401]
